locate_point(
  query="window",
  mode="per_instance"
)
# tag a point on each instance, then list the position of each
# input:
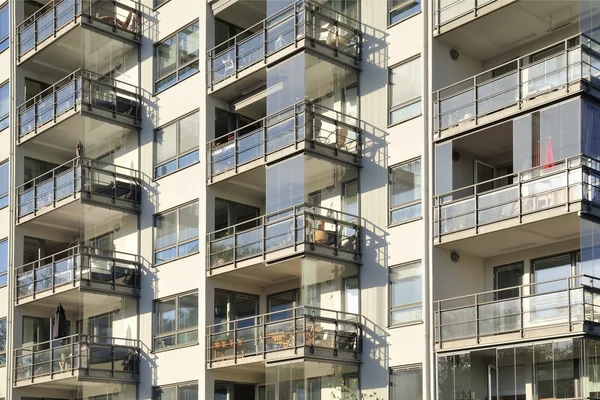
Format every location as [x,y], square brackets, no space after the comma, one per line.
[407,383]
[3,262]
[405,293]
[176,233]
[229,213]
[180,391]
[4,178]
[405,91]
[3,341]
[158,3]
[4,28]
[402,9]
[4,106]
[405,193]
[177,57]
[231,390]
[176,145]
[176,321]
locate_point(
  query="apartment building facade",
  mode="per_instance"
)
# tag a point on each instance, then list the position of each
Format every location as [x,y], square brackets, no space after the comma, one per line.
[307,199]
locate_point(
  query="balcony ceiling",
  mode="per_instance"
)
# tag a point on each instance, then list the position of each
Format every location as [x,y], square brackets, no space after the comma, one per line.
[241,13]
[486,143]
[488,36]
[73,301]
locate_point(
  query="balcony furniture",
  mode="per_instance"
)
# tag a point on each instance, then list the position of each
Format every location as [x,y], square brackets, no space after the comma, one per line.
[347,341]
[109,19]
[321,236]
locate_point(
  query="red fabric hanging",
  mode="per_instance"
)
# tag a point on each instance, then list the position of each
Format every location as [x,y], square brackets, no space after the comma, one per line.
[549,157]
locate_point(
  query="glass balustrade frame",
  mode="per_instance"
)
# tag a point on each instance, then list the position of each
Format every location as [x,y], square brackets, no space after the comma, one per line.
[119,359]
[474,318]
[559,184]
[84,91]
[97,182]
[304,121]
[294,227]
[46,23]
[105,270]
[316,329]
[302,20]
[460,9]
[486,94]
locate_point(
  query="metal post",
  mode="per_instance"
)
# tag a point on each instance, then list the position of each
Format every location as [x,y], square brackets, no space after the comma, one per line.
[477,318]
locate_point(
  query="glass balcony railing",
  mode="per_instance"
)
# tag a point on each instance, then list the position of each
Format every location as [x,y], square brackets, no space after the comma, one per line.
[301,20]
[102,269]
[289,329]
[516,82]
[55,15]
[541,188]
[302,224]
[446,11]
[566,303]
[303,121]
[96,92]
[104,358]
[104,183]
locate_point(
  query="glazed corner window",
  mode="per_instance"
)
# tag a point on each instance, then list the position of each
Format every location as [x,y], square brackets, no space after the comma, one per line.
[4,178]
[405,293]
[180,391]
[407,383]
[176,145]
[4,103]
[405,91]
[402,9]
[4,25]
[3,341]
[176,321]
[405,192]
[177,57]
[176,233]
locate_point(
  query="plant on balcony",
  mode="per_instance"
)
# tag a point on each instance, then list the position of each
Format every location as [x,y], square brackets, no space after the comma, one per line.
[220,341]
[344,392]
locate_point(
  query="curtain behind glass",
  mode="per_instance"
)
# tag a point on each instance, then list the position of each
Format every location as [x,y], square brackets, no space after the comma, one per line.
[285,83]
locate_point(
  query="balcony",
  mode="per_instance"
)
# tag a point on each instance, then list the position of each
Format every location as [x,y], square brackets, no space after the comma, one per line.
[301,25]
[550,308]
[292,333]
[484,221]
[451,14]
[62,21]
[62,109]
[75,359]
[302,126]
[80,187]
[80,268]
[300,229]
[508,89]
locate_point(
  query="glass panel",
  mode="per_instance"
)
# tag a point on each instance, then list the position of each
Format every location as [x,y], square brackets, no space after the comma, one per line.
[188,222]
[166,229]
[166,143]
[188,44]
[401,9]
[189,129]
[408,384]
[166,57]
[165,318]
[405,82]
[552,269]
[188,311]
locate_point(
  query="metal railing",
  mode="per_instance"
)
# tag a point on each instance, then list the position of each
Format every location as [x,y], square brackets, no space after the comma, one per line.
[81,87]
[46,22]
[445,11]
[290,227]
[565,303]
[513,196]
[289,329]
[297,123]
[102,357]
[303,19]
[114,269]
[518,81]
[118,185]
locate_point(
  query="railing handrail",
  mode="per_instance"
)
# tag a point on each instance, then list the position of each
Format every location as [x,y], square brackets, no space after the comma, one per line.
[264,317]
[53,3]
[286,111]
[569,280]
[252,30]
[81,73]
[80,250]
[565,161]
[85,340]
[296,210]
[473,78]
[448,6]
[84,162]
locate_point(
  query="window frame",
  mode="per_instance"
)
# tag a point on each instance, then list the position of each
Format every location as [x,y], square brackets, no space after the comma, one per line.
[392,208]
[156,6]
[3,351]
[177,156]
[5,272]
[6,116]
[5,39]
[407,306]
[395,107]
[404,368]
[178,67]
[177,386]
[177,243]
[177,331]
[6,194]
[407,4]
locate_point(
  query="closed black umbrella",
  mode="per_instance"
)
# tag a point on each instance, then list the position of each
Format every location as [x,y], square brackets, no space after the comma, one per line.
[60,323]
